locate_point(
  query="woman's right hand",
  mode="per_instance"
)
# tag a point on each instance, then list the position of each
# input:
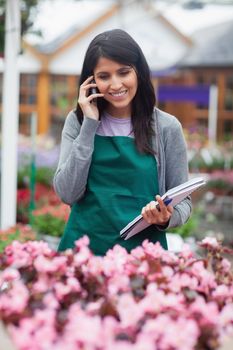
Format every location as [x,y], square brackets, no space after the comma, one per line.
[86,101]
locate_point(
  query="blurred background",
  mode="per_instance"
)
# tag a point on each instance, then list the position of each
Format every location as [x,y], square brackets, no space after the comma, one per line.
[189,48]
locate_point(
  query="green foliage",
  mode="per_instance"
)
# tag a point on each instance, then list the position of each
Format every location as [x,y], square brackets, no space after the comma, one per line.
[220,185]
[44,175]
[28,12]
[48,224]
[8,239]
[198,163]
[19,232]
[190,227]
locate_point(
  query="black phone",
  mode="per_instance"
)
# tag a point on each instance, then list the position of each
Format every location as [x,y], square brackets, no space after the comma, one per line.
[93,90]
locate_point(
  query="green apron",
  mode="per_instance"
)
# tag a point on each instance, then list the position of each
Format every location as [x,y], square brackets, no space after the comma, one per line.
[120,182]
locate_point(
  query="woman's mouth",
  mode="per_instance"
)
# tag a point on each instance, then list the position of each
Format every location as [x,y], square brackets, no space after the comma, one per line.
[118,94]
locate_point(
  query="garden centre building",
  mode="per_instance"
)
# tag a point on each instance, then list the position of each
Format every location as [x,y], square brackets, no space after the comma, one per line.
[183,66]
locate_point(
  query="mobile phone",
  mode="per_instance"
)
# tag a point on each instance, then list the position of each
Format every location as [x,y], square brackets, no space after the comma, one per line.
[93,90]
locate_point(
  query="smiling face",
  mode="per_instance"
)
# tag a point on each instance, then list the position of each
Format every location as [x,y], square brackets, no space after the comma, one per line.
[118,82]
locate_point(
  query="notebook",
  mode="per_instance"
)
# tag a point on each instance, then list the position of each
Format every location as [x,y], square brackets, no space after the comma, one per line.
[172,197]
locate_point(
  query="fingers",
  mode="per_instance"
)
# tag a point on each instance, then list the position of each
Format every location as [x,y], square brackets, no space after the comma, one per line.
[86,99]
[84,90]
[157,212]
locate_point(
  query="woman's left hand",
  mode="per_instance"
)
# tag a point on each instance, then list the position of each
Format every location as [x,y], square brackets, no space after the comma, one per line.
[158,216]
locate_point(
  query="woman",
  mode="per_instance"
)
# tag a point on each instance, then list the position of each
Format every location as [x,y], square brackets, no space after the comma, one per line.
[119,153]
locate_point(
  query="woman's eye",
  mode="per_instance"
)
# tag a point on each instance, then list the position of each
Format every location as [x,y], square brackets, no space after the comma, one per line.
[103,77]
[124,72]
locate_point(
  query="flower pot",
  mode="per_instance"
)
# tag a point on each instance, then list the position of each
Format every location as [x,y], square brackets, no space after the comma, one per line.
[6,342]
[52,241]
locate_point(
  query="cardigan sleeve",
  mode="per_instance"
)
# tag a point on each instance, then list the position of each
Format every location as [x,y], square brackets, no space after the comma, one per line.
[173,152]
[176,169]
[77,145]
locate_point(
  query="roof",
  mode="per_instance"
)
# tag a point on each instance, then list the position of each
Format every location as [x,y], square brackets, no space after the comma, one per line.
[164,32]
[189,21]
[213,46]
[162,43]
[56,20]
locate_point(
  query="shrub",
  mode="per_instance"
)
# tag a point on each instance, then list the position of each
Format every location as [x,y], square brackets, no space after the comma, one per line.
[221,182]
[51,220]
[189,228]
[43,196]
[43,175]
[19,232]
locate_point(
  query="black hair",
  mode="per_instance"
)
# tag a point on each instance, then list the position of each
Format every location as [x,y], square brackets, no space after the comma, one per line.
[119,46]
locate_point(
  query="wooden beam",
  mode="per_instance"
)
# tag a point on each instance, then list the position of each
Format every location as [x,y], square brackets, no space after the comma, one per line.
[43,58]
[157,14]
[43,103]
[79,35]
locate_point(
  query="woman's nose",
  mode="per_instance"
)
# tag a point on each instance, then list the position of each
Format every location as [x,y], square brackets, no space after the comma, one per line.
[116,83]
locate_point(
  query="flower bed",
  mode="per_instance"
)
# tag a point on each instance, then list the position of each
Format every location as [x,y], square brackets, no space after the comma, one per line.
[51,219]
[147,300]
[18,232]
[44,196]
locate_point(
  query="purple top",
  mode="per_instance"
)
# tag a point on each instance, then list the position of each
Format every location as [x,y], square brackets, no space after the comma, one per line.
[111,126]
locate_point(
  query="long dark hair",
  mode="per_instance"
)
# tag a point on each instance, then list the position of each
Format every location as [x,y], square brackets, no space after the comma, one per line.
[119,46]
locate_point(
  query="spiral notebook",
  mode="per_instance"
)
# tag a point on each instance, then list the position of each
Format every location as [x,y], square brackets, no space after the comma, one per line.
[172,197]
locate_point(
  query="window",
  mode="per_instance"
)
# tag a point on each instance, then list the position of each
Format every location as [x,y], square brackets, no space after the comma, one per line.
[63,94]
[228,127]
[28,89]
[200,79]
[24,123]
[229,93]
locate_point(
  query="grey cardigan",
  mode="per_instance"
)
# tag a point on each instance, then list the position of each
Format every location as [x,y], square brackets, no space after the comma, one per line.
[77,146]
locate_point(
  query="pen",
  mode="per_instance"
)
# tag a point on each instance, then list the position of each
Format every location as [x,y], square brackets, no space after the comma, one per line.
[167,201]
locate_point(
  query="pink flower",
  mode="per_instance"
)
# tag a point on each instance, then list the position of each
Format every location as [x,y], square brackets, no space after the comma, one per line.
[149,299]
[183,280]
[226,265]
[222,292]
[210,243]
[157,301]
[138,253]
[14,300]
[46,265]
[37,332]
[50,301]
[23,254]
[143,342]
[143,268]
[62,289]
[206,279]
[82,251]
[83,242]
[154,250]
[85,329]
[226,315]
[186,252]
[115,261]
[9,275]
[129,311]
[43,284]
[118,284]
[206,313]
[95,265]
[179,334]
